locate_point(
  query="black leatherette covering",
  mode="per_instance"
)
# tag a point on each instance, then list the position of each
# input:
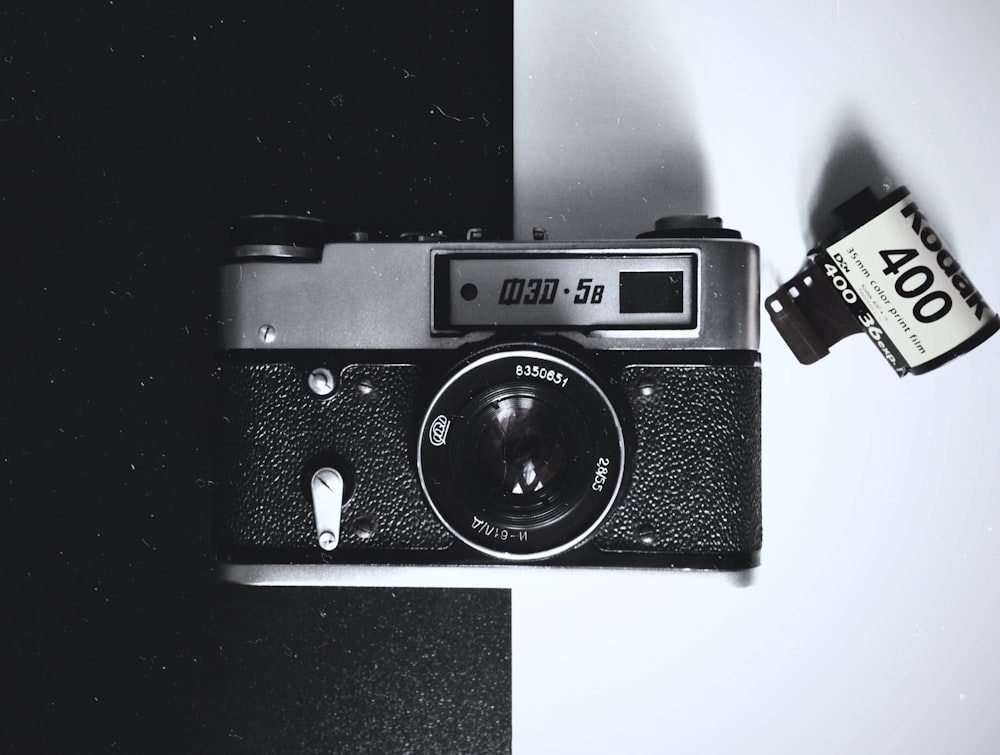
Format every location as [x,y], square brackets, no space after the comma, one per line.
[696,488]
[276,432]
[693,461]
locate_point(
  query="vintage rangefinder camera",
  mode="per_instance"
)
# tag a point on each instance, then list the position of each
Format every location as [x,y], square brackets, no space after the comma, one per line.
[426,402]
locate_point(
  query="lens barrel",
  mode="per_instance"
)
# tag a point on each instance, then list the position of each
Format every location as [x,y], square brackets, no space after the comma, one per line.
[521,454]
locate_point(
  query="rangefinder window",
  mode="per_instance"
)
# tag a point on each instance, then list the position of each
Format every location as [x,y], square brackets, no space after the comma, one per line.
[651,292]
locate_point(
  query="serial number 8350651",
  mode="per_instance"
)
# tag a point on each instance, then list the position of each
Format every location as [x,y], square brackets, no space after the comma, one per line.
[537,371]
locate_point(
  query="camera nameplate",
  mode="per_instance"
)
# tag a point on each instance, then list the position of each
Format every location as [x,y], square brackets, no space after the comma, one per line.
[620,289]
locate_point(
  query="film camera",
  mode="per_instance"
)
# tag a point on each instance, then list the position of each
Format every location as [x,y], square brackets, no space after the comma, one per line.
[426,402]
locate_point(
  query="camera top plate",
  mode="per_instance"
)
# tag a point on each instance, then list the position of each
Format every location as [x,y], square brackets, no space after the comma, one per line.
[662,293]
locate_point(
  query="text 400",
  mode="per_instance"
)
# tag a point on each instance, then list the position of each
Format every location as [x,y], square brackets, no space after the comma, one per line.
[914,282]
[867,321]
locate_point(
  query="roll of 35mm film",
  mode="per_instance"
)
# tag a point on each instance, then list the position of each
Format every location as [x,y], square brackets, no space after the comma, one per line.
[888,274]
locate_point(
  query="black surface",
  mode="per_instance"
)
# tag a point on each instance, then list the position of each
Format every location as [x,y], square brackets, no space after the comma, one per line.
[132,135]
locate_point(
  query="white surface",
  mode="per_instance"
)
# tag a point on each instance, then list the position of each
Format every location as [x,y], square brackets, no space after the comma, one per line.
[873,623]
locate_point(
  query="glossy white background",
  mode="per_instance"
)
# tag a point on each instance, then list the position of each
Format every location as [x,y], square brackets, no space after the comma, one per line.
[872,624]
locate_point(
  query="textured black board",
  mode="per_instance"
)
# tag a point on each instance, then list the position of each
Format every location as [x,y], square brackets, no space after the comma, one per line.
[131,135]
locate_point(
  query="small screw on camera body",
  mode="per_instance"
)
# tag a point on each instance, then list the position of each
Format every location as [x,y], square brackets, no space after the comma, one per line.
[327,541]
[322,382]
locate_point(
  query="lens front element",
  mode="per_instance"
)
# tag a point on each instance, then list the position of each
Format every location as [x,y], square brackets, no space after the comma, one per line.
[521,449]
[521,455]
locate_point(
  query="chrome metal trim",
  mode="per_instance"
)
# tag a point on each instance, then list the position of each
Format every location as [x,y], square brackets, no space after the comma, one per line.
[497,576]
[353,298]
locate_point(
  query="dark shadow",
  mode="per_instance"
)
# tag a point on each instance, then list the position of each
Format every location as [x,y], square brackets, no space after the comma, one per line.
[599,152]
[586,199]
[857,160]
[854,163]
[129,167]
[679,180]
[742,578]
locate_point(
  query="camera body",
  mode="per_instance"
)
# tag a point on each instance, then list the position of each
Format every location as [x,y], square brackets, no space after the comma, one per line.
[424,402]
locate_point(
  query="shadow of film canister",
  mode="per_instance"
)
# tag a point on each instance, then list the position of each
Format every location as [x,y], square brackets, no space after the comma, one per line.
[888,274]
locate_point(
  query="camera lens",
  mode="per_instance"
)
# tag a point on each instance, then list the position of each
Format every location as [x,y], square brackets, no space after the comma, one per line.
[521,454]
[521,457]
[521,450]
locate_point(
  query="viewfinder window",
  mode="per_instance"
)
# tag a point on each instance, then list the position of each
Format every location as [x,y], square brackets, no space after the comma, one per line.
[651,292]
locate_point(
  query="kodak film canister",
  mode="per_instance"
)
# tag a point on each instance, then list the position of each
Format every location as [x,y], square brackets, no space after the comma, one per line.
[886,273]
